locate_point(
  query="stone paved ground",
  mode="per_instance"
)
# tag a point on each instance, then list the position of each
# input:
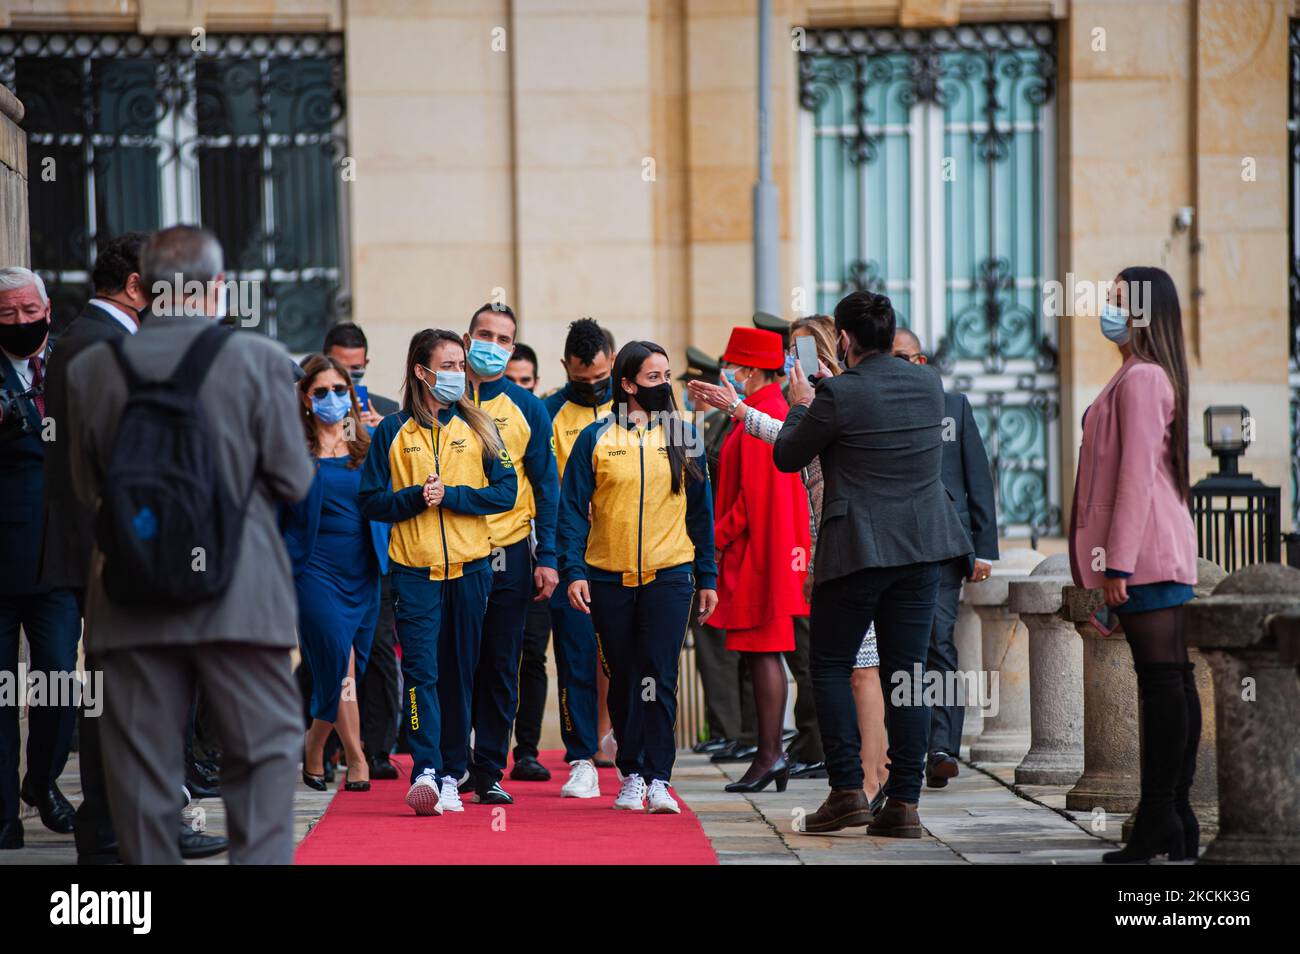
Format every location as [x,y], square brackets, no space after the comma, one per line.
[976,819]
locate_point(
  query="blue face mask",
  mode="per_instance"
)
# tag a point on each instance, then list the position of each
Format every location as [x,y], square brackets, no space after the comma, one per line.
[731,376]
[1114,323]
[448,386]
[332,408]
[487,358]
[789,364]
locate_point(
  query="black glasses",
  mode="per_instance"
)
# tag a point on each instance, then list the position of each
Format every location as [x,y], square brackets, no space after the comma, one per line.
[319,393]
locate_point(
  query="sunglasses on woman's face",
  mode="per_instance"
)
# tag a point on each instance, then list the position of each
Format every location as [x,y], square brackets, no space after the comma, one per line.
[319,393]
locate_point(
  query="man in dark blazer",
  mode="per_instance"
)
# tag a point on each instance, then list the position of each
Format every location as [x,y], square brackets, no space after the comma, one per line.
[47,615]
[237,644]
[377,698]
[888,526]
[969,480]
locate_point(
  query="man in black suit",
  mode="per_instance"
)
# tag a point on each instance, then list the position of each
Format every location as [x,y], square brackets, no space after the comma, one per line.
[969,480]
[47,615]
[377,696]
[888,525]
[114,312]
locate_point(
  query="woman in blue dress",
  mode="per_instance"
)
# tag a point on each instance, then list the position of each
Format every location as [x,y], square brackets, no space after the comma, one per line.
[338,557]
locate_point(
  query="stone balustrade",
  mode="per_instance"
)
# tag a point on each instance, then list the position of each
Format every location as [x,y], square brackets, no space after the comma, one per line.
[1004,650]
[1055,754]
[966,636]
[1110,712]
[1257,707]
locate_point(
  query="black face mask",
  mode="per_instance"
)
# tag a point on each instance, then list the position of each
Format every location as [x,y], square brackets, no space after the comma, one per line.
[656,399]
[22,340]
[591,393]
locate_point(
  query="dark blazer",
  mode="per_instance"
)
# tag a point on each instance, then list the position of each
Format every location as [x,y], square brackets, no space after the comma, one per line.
[381,405]
[878,429]
[21,484]
[68,526]
[968,478]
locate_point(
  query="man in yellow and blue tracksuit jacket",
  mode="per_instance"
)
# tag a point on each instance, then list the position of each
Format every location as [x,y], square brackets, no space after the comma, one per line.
[576,652]
[525,427]
[644,553]
[439,560]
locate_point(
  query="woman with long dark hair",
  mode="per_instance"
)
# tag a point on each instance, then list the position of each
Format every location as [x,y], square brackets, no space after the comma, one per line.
[637,562]
[1131,534]
[338,557]
[435,470]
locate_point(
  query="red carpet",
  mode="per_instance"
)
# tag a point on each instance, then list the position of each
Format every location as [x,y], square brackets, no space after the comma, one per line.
[540,828]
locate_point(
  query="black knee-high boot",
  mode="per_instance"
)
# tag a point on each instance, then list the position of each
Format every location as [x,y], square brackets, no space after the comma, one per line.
[1186,775]
[1157,829]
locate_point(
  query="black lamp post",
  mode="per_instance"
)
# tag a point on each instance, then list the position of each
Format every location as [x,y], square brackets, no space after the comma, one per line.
[1238,518]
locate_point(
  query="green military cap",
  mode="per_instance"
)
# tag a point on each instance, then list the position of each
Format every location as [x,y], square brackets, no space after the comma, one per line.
[773,323]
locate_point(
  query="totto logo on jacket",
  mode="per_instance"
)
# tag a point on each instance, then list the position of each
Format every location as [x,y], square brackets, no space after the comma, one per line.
[444,538]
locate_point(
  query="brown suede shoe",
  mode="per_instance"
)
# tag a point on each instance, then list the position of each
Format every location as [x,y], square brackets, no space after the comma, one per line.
[896,820]
[843,808]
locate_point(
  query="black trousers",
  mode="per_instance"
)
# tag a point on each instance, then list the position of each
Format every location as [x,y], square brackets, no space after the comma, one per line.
[901,601]
[946,720]
[378,699]
[807,744]
[533,681]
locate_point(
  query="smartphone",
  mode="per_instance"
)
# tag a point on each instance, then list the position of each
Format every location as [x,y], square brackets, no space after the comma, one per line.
[363,396]
[806,347]
[1105,619]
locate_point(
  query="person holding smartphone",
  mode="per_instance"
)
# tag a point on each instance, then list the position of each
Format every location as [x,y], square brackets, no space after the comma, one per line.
[636,564]
[435,470]
[1131,535]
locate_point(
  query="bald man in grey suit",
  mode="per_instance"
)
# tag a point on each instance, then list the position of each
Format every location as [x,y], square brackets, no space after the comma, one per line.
[236,644]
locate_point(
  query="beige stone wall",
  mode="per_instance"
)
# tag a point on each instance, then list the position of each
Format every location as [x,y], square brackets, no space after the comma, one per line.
[15,245]
[523,170]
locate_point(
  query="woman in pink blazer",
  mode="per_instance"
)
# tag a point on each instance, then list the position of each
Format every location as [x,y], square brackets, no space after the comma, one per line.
[1131,535]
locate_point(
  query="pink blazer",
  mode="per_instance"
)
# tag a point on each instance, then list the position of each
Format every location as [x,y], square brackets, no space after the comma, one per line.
[1127,513]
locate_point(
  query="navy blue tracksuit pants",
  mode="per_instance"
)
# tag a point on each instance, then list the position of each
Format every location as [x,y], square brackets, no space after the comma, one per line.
[438,623]
[573,638]
[496,678]
[642,629]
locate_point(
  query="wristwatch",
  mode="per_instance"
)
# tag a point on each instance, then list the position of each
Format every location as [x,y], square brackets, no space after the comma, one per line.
[731,408]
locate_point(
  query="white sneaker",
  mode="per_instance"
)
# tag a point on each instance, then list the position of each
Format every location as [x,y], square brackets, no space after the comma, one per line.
[631,798]
[661,800]
[423,794]
[450,798]
[609,749]
[583,781]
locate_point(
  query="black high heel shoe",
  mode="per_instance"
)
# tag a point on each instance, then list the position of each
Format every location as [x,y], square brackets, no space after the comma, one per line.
[878,801]
[779,773]
[351,786]
[1152,835]
[314,781]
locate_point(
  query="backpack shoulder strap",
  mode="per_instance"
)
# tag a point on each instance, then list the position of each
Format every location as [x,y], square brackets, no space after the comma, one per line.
[133,380]
[197,360]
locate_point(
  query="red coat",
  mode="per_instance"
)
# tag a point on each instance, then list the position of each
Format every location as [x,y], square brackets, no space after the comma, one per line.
[761,532]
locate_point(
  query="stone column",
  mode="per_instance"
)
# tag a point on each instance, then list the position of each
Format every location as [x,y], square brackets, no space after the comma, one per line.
[14,237]
[1055,677]
[1110,720]
[1257,707]
[966,635]
[1004,648]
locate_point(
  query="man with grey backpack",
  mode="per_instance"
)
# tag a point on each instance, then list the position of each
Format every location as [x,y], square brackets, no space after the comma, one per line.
[184,438]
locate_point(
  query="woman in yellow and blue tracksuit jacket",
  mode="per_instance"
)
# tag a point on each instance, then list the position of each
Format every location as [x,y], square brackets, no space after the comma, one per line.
[435,470]
[637,564]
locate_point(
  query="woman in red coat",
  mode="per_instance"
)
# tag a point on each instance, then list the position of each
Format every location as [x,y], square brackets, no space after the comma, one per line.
[762,538]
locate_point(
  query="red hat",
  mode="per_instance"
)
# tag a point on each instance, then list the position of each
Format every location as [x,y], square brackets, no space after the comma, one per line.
[755,348]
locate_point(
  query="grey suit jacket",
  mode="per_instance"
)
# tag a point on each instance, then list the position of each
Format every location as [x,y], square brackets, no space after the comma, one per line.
[967,476]
[253,414]
[878,429]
